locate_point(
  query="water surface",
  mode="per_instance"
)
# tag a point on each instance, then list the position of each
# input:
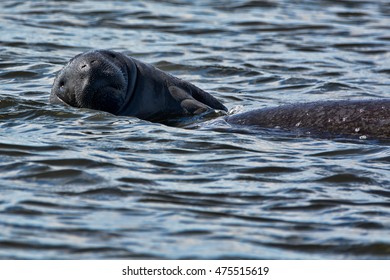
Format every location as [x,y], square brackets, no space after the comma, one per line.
[82,184]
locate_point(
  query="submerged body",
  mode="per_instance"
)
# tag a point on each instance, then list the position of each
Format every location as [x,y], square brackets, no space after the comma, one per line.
[337,117]
[113,82]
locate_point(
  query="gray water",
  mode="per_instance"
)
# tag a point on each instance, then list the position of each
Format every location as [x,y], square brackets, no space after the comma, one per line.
[82,184]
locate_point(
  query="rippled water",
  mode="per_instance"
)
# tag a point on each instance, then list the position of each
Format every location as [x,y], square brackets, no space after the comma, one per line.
[81,184]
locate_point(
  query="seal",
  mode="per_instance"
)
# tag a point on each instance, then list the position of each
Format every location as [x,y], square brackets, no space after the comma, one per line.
[113,82]
[369,118]
[116,83]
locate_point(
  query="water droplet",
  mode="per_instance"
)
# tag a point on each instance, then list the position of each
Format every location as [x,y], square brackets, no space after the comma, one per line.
[298,124]
[357,129]
[363,137]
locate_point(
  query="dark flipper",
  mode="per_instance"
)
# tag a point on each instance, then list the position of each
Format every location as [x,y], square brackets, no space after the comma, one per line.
[187,102]
[208,99]
[196,93]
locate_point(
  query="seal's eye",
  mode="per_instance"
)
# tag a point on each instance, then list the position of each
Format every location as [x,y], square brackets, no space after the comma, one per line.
[61,84]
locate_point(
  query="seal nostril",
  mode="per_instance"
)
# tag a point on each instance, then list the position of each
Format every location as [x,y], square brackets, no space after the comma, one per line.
[83,66]
[93,61]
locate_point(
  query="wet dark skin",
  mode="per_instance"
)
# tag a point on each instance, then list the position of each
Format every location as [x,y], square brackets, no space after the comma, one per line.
[113,82]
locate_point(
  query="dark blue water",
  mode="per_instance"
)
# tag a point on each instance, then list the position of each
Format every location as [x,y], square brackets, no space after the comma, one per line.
[81,184]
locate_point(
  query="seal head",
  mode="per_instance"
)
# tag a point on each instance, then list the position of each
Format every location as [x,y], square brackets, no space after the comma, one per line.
[100,80]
